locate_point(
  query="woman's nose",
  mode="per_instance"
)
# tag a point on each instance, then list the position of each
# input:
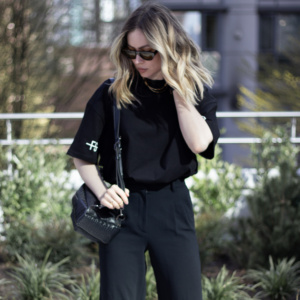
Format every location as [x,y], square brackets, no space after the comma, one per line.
[138,59]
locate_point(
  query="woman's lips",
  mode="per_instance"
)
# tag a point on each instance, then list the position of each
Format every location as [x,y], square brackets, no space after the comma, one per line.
[142,70]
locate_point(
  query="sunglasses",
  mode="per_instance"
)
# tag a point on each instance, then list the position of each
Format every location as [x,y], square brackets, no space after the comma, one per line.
[146,55]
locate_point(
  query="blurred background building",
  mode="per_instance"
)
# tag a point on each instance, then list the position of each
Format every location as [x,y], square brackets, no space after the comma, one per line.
[234,35]
[239,40]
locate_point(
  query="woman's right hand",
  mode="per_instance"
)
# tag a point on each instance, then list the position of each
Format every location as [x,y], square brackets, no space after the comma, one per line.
[114,197]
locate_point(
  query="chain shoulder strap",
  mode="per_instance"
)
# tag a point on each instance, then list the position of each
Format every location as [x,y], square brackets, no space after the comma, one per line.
[118,148]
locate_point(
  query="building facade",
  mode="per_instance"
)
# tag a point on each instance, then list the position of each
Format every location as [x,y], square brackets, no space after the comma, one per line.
[232,34]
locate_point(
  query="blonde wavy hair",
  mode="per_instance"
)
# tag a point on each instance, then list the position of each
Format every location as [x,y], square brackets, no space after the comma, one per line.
[180,57]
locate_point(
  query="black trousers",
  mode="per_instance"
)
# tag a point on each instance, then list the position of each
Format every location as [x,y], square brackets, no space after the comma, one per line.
[162,222]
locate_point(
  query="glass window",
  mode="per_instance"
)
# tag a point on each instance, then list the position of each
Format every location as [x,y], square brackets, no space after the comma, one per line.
[210,41]
[288,32]
[202,29]
[93,22]
[192,24]
[267,33]
[279,33]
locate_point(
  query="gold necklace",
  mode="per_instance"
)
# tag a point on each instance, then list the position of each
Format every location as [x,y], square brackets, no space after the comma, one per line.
[156,90]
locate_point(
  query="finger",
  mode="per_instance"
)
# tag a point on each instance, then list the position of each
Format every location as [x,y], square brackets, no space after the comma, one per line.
[110,202]
[127,192]
[120,193]
[114,197]
[106,203]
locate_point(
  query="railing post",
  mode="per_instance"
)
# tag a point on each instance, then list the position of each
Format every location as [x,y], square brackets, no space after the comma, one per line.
[293,128]
[9,151]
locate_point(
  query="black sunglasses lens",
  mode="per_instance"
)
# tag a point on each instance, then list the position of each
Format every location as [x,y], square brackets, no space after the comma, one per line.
[129,53]
[147,55]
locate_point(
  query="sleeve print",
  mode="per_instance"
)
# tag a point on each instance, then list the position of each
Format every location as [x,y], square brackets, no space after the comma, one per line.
[85,145]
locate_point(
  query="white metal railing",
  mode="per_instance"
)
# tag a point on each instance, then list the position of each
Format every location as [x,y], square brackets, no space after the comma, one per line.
[65,141]
[292,115]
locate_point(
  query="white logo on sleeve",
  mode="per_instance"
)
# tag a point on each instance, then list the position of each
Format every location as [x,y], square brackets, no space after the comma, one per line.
[93,145]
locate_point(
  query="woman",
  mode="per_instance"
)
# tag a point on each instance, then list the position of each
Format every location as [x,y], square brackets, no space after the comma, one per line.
[167,115]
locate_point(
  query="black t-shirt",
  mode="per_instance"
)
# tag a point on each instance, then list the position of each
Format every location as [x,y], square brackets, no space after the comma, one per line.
[153,148]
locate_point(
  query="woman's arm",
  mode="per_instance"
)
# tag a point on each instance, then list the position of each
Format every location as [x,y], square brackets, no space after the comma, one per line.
[193,126]
[113,197]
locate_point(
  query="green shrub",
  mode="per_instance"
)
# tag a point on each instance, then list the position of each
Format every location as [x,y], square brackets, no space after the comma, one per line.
[280,281]
[89,287]
[211,231]
[273,227]
[38,186]
[224,287]
[215,188]
[36,203]
[38,281]
[217,185]
[151,293]
[3,282]
[35,240]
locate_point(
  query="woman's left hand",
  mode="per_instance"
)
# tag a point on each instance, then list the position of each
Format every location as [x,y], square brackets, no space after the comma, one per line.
[193,126]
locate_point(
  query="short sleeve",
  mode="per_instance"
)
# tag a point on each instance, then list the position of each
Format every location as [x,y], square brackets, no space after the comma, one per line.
[207,108]
[85,144]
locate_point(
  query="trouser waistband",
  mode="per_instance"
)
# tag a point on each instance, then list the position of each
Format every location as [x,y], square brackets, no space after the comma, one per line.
[138,186]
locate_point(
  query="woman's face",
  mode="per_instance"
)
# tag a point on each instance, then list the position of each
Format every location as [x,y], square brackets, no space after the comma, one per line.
[151,69]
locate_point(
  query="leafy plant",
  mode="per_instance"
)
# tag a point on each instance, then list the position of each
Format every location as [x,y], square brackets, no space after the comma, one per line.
[57,235]
[280,281]
[224,287]
[217,185]
[35,197]
[3,282]
[151,293]
[210,231]
[274,206]
[37,281]
[35,240]
[278,89]
[89,286]
[38,185]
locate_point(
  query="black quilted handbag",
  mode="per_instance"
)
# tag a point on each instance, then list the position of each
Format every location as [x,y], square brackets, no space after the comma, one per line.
[96,222]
